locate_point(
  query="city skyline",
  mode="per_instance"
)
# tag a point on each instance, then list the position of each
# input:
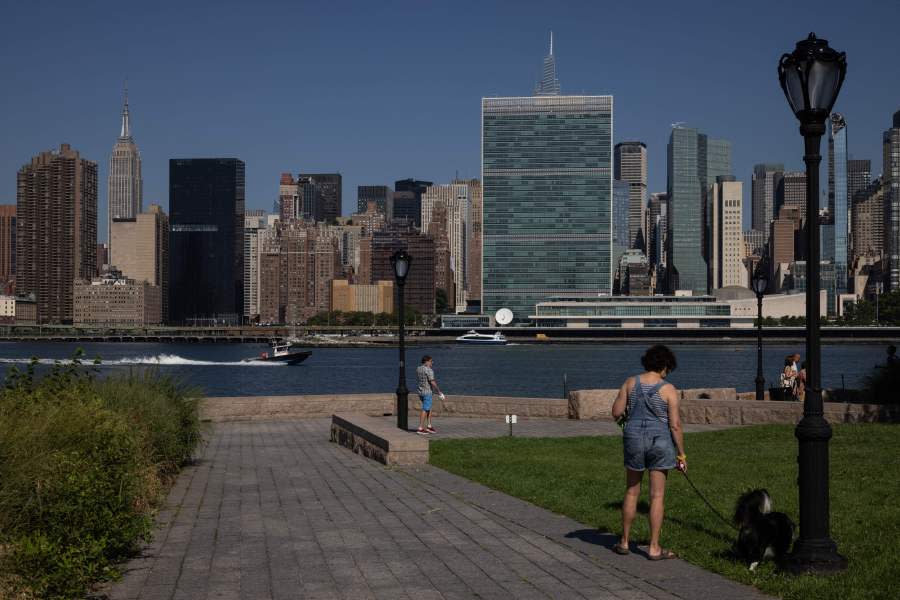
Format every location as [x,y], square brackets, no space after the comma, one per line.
[429,132]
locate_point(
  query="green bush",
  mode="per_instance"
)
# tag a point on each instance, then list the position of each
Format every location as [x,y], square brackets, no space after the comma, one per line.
[82,463]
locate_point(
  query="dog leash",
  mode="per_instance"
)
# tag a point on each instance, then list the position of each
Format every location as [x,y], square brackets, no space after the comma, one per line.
[711,507]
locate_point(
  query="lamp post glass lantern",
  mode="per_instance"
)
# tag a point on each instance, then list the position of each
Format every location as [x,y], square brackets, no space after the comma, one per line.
[400,262]
[760,284]
[811,78]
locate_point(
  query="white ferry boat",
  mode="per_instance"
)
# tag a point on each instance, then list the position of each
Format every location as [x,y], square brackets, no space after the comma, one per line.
[484,339]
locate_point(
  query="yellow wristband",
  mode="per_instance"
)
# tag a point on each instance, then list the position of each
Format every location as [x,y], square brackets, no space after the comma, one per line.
[682,457]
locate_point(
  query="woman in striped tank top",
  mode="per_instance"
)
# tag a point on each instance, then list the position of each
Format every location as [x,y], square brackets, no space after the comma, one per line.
[652,441]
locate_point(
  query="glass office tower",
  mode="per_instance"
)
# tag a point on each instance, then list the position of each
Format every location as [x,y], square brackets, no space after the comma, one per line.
[547,204]
[206,241]
[834,242]
[694,162]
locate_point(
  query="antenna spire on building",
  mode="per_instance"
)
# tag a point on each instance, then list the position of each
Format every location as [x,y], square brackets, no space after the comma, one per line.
[549,84]
[126,124]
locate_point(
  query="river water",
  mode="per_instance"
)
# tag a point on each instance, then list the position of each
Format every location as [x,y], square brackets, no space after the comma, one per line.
[513,370]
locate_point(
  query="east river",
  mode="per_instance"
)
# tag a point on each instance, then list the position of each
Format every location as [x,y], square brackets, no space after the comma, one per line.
[513,370]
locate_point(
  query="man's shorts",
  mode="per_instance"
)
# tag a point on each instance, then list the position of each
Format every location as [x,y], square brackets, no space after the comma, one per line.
[426,402]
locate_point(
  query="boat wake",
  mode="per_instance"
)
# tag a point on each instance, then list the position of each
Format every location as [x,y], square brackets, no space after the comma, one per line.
[164,360]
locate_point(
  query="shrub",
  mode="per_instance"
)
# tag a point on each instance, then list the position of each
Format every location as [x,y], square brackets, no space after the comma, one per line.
[81,466]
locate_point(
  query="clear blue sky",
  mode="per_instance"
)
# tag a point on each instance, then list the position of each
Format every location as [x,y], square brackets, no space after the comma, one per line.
[380,91]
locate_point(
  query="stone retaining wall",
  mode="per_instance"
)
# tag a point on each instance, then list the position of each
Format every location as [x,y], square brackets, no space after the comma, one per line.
[708,405]
[721,406]
[248,408]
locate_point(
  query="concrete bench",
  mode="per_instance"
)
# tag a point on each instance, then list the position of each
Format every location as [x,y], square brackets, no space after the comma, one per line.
[378,439]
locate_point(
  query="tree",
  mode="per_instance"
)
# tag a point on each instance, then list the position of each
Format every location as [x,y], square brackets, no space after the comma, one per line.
[441,305]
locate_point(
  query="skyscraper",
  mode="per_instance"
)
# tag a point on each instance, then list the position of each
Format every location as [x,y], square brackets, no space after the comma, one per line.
[549,84]
[125,189]
[473,268]
[254,222]
[630,165]
[694,162]
[859,176]
[288,198]
[139,249]
[407,200]
[456,199]
[206,244]
[621,232]
[794,183]
[547,176]
[891,177]
[321,195]
[767,191]
[726,267]
[56,230]
[835,241]
[7,246]
[379,194]
[656,227]
[868,221]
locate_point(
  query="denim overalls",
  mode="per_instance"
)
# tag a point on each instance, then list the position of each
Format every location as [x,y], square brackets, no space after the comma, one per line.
[647,440]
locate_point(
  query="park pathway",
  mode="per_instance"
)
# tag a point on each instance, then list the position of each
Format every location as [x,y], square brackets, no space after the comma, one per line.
[273,510]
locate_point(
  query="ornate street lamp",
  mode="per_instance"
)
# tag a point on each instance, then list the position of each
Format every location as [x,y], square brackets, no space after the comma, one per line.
[811,77]
[401,261]
[760,284]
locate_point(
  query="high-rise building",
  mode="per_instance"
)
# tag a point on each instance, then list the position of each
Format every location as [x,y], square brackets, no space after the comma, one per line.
[7,247]
[868,221]
[859,176]
[656,227]
[794,184]
[891,178]
[379,194]
[549,84]
[694,162]
[835,242]
[630,166]
[114,300]
[766,195]
[621,210]
[56,230]
[755,242]
[726,267]
[547,176]
[139,249]
[125,190]
[102,258]
[288,198]
[456,198]
[781,249]
[320,195]
[206,242]
[254,222]
[473,267]
[419,287]
[371,219]
[374,298]
[406,203]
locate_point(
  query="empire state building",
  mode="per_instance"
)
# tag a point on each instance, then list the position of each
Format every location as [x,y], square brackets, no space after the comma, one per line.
[125,193]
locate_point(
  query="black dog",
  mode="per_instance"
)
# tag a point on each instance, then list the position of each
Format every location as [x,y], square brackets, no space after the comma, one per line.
[763,533]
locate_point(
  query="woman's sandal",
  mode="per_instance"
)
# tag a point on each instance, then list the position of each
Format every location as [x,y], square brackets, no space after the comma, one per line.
[620,549]
[664,554]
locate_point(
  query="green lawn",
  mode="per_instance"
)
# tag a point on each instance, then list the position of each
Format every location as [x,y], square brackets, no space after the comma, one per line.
[583,478]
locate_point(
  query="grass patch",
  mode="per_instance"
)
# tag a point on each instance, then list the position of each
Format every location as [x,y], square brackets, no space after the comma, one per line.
[583,478]
[82,464]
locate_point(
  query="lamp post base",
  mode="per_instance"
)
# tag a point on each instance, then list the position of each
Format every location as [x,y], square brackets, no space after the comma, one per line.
[760,388]
[816,557]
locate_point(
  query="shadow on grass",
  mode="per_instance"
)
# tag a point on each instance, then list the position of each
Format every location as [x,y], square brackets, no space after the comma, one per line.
[642,507]
[701,529]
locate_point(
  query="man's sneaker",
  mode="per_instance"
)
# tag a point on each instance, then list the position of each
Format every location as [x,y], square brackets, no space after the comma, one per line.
[421,431]
[430,429]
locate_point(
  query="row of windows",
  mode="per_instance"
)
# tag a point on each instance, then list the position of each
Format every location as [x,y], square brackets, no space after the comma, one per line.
[634,311]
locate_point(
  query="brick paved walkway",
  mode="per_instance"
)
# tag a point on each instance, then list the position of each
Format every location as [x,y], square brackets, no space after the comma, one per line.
[273,510]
